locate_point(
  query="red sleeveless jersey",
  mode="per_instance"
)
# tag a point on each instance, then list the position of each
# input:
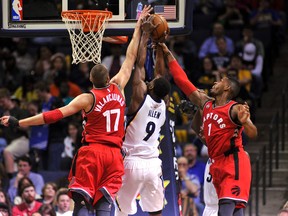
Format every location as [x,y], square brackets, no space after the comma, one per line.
[218,128]
[104,123]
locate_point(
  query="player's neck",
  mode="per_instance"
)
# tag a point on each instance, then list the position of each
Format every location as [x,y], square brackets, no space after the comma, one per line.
[220,101]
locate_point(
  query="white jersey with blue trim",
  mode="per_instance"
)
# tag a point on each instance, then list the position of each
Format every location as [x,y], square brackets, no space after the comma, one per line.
[143,129]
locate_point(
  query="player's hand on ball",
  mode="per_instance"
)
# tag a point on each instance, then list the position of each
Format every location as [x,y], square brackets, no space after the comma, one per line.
[164,36]
[147,24]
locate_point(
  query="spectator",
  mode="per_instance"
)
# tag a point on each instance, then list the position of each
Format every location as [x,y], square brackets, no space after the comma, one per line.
[56,132]
[63,203]
[22,183]
[24,170]
[74,90]
[190,186]
[16,138]
[208,74]
[64,89]
[209,45]
[58,68]
[114,61]
[26,93]
[254,62]
[48,193]
[231,17]
[13,76]
[248,37]
[4,199]
[45,210]
[4,209]
[24,60]
[221,59]
[72,143]
[195,167]
[29,204]
[43,63]
[264,16]
[80,76]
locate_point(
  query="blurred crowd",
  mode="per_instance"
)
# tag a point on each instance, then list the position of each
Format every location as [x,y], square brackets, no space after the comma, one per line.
[230,38]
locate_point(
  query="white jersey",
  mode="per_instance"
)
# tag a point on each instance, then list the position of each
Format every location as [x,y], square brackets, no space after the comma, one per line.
[210,195]
[143,129]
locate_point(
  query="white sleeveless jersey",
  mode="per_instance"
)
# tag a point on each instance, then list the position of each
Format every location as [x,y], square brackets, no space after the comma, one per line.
[143,129]
[210,195]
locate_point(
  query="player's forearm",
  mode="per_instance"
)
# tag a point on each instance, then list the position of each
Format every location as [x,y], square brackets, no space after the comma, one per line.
[250,129]
[132,49]
[43,118]
[141,58]
[160,64]
[181,78]
[32,121]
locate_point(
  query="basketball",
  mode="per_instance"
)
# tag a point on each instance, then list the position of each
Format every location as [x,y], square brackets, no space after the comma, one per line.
[158,34]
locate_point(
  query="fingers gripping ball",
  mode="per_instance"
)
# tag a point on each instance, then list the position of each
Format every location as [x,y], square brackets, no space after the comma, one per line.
[161,30]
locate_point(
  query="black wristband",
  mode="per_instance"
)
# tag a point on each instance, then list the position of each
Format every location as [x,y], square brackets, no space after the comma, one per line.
[13,122]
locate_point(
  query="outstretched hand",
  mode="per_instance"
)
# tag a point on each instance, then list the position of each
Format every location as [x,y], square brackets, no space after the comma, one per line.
[145,12]
[243,113]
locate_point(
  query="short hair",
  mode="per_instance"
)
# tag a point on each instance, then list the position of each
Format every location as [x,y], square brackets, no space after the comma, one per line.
[5,93]
[24,187]
[61,191]
[234,86]
[99,74]
[161,87]
[190,144]
[25,158]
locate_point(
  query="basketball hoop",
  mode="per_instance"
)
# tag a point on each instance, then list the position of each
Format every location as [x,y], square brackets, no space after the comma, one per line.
[86,29]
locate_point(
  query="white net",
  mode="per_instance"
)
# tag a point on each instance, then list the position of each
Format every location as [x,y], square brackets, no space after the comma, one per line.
[86,29]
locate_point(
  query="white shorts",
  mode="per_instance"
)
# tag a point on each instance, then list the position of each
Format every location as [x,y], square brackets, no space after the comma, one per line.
[144,177]
[210,195]
[18,147]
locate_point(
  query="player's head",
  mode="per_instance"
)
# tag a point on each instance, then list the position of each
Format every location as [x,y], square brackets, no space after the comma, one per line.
[227,85]
[159,87]
[99,76]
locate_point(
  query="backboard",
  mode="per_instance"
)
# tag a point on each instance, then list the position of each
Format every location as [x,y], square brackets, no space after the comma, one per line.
[32,18]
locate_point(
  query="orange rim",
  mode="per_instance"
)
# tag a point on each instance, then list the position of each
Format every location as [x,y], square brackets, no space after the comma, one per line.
[88,17]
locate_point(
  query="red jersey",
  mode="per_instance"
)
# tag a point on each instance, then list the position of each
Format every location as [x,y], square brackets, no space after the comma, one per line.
[104,123]
[22,209]
[218,128]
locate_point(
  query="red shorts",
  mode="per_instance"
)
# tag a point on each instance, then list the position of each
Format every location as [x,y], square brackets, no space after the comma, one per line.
[232,181]
[97,170]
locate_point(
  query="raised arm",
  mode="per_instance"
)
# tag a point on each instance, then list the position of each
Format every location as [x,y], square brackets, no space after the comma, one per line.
[160,63]
[139,87]
[182,80]
[123,76]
